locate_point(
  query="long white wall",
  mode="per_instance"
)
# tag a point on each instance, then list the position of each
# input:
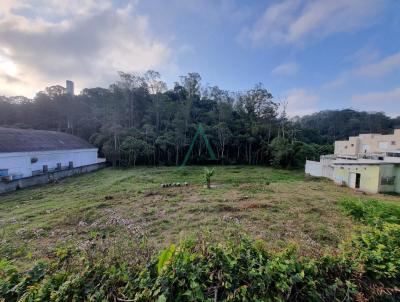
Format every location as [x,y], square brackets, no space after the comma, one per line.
[20,162]
[314,168]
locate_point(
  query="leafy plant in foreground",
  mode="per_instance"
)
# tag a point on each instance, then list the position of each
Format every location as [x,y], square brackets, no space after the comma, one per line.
[208,173]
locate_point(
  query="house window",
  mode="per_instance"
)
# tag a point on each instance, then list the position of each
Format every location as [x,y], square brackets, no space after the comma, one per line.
[393,143]
[387,180]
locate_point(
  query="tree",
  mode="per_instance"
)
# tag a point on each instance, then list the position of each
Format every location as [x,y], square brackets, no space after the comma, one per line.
[133,148]
[138,120]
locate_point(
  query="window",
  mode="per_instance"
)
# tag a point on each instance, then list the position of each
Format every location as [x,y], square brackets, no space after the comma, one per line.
[387,180]
[365,148]
[345,147]
[393,143]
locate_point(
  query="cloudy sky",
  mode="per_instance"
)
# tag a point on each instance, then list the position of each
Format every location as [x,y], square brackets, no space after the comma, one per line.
[315,54]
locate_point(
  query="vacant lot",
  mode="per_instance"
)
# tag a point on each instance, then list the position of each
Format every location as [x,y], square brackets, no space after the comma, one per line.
[278,206]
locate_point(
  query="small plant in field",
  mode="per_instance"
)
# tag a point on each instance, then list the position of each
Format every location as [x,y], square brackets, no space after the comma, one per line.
[207,176]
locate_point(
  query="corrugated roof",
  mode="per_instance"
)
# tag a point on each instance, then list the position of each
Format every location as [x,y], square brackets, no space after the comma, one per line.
[26,140]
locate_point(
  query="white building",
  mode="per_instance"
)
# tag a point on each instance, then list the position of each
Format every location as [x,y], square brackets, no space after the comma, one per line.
[368,162]
[69,87]
[24,153]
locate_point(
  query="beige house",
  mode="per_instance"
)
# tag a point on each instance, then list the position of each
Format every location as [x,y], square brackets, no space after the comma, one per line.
[368,162]
[368,144]
[372,176]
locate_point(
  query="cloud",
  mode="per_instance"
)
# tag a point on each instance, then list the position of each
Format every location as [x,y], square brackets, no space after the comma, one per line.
[380,68]
[88,46]
[378,98]
[294,21]
[363,56]
[300,102]
[286,69]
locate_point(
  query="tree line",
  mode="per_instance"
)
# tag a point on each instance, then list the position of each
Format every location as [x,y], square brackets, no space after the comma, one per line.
[139,120]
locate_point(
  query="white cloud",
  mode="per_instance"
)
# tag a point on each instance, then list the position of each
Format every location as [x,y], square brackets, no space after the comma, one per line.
[300,102]
[380,68]
[363,56]
[294,21]
[379,101]
[378,98]
[88,43]
[286,69]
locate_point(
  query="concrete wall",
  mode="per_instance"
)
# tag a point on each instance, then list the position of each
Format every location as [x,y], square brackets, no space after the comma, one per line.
[349,147]
[46,178]
[313,168]
[20,162]
[371,143]
[323,168]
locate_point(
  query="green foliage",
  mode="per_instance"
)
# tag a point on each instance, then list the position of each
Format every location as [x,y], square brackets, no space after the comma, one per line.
[378,249]
[326,126]
[371,211]
[132,148]
[138,120]
[240,270]
[208,173]
[288,153]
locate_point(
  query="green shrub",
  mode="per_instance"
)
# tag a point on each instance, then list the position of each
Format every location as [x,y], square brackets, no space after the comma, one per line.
[371,211]
[240,270]
[378,249]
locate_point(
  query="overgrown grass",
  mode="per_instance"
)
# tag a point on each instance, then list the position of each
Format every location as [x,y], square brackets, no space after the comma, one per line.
[260,235]
[278,206]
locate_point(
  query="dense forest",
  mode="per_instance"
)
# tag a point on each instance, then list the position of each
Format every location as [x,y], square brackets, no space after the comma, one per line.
[138,120]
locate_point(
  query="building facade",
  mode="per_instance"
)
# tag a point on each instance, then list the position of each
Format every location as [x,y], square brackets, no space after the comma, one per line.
[25,153]
[368,176]
[368,162]
[70,87]
[368,143]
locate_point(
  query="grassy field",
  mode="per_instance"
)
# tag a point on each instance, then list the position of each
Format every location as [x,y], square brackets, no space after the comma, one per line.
[278,206]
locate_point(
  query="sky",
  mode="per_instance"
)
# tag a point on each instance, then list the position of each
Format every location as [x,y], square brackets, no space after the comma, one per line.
[312,54]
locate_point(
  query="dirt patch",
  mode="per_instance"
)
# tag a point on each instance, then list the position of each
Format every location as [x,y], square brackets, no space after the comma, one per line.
[256,205]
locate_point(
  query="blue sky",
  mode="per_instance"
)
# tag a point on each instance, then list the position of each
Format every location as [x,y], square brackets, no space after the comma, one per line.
[314,55]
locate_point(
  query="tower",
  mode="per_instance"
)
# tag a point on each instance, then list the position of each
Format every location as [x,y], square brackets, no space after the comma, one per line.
[70,87]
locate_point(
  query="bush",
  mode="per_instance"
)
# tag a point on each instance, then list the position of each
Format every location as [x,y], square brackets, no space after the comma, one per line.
[370,211]
[378,250]
[197,270]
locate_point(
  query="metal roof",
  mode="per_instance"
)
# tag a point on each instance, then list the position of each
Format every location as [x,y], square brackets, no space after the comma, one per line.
[26,140]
